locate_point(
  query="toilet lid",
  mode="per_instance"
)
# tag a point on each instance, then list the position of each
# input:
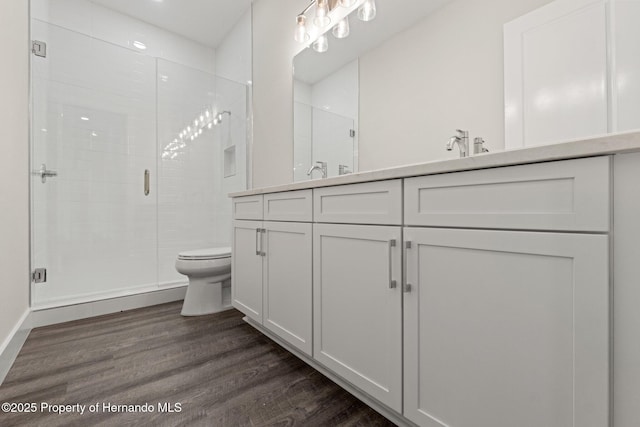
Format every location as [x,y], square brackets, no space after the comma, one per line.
[209,253]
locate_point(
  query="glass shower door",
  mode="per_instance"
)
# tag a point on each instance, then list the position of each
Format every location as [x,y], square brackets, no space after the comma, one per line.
[94,198]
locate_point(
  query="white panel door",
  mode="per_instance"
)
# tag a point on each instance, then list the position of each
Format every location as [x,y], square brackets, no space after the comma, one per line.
[506,329]
[357,307]
[246,268]
[556,73]
[287,274]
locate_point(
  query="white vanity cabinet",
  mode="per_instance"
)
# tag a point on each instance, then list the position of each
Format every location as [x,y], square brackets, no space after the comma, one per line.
[508,327]
[271,268]
[478,297]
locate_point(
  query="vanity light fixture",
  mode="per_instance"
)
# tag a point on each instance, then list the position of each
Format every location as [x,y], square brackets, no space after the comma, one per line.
[325,11]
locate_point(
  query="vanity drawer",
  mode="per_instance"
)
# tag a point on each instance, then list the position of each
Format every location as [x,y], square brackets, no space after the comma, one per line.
[247,207]
[570,195]
[289,206]
[368,203]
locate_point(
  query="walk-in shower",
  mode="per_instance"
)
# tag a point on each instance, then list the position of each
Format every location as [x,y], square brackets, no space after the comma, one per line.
[131,162]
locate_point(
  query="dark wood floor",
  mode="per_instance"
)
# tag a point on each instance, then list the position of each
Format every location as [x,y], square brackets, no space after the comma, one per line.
[219,369]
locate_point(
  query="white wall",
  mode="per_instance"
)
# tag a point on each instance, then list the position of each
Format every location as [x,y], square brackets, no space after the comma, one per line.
[444,73]
[273,50]
[14,166]
[233,54]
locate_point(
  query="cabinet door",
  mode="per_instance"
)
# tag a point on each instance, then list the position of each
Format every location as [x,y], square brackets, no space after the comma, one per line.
[287,282]
[357,310]
[506,329]
[246,268]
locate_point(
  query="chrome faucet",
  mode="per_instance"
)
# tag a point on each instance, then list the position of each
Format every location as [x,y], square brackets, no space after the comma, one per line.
[343,170]
[478,146]
[320,166]
[462,139]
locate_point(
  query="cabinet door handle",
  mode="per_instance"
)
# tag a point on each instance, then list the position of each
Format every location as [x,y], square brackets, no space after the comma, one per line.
[258,245]
[407,285]
[262,238]
[392,244]
[146,182]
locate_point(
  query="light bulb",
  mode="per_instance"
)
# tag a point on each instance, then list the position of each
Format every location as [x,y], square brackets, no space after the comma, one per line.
[367,11]
[301,35]
[321,44]
[347,3]
[341,29]
[210,125]
[322,14]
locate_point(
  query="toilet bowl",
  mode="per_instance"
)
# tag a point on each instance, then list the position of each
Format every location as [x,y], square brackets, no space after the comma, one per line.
[207,270]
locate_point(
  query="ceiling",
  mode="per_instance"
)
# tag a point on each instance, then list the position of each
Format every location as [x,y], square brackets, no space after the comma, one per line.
[205,21]
[393,16]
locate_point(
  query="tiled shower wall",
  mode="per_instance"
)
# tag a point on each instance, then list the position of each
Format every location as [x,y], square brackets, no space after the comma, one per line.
[102,114]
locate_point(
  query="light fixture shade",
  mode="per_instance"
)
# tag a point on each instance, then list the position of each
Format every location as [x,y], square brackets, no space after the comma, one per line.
[322,14]
[347,3]
[301,35]
[321,44]
[367,11]
[341,29]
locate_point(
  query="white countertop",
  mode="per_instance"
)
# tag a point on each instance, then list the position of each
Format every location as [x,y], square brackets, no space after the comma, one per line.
[609,144]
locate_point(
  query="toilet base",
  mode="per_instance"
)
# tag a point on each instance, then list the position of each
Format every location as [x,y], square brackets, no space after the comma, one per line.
[204,297]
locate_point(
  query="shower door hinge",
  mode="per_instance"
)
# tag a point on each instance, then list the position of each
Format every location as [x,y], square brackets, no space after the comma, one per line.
[352,133]
[39,275]
[39,48]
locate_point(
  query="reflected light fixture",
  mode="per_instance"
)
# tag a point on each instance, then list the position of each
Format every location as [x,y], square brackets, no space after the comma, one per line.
[321,44]
[341,29]
[301,29]
[322,14]
[139,45]
[367,12]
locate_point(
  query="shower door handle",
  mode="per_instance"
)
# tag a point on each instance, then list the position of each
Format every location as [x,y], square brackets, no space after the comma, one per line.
[44,173]
[146,182]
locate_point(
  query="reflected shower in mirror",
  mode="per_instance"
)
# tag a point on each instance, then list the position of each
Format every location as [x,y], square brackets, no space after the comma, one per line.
[326,84]
[325,121]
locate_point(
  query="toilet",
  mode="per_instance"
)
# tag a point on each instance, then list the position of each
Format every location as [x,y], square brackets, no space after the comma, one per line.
[207,270]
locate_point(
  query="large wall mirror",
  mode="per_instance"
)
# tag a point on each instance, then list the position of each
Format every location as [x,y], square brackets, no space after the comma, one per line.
[514,73]
[326,87]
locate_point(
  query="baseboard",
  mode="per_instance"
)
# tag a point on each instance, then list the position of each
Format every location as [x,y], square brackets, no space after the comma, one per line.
[54,315]
[380,408]
[12,345]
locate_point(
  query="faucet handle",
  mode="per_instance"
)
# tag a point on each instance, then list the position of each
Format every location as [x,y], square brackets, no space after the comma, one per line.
[463,133]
